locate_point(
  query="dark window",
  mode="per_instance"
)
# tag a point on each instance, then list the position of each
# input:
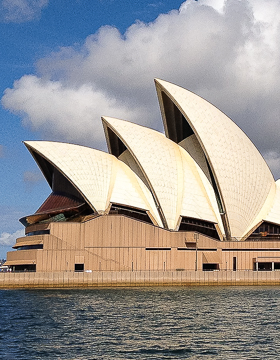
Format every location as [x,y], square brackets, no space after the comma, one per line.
[131,212]
[234,263]
[30,247]
[177,126]
[79,267]
[200,226]
[210,267]
[266,231]
[116,145]
[264,266]
[38,232]
[24,268]
[160,248]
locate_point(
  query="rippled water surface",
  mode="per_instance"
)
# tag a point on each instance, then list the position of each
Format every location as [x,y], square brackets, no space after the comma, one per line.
[141,323]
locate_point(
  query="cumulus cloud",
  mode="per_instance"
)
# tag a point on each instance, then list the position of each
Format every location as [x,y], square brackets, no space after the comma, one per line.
[7,239]
[224,50]
[64,111]
[21,10]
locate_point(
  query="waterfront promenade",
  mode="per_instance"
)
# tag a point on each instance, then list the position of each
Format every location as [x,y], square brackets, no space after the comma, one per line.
[136,278]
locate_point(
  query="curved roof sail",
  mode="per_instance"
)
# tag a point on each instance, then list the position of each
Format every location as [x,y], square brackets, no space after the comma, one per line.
[240,177]
[99,177]
[169,171]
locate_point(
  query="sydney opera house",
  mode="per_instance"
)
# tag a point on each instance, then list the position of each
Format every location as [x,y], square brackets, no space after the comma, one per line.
[200,197]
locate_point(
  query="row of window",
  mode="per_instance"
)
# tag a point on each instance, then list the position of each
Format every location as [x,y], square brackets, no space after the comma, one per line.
[267,229]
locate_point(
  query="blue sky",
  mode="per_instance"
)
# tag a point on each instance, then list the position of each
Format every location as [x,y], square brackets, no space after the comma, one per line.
[66,63]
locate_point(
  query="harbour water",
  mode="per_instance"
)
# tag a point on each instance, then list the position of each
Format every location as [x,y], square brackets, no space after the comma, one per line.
[141,323]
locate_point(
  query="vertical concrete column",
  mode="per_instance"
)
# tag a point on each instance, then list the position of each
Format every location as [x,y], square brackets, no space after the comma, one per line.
[272,266]
[257,266]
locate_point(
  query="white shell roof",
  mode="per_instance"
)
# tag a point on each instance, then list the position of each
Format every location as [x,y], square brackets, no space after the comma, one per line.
[173,180]
[171,173]
[198,198]
[99,177]
[243,178]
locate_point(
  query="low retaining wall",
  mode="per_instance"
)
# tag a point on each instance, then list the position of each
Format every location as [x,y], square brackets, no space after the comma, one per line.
[136,278]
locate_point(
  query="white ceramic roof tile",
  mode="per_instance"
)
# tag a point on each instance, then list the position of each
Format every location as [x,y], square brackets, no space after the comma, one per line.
[265,210]
[130,190]
[170,171]
[243,177]
[100,177]
[158,157]
[90,171]
[192,146]
[128,159]
[196,201]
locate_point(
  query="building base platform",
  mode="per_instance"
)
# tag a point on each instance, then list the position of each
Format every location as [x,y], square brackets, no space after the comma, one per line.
[98,279]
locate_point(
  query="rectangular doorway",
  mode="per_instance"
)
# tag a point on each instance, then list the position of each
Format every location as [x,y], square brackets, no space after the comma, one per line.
[234,263]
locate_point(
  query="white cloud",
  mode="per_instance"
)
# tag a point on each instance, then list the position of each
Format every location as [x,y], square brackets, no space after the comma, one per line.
[227,51]
[7,239]
[21,10]
[64,112]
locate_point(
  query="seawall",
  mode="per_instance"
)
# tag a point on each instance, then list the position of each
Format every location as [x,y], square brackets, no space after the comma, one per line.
[136,278]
